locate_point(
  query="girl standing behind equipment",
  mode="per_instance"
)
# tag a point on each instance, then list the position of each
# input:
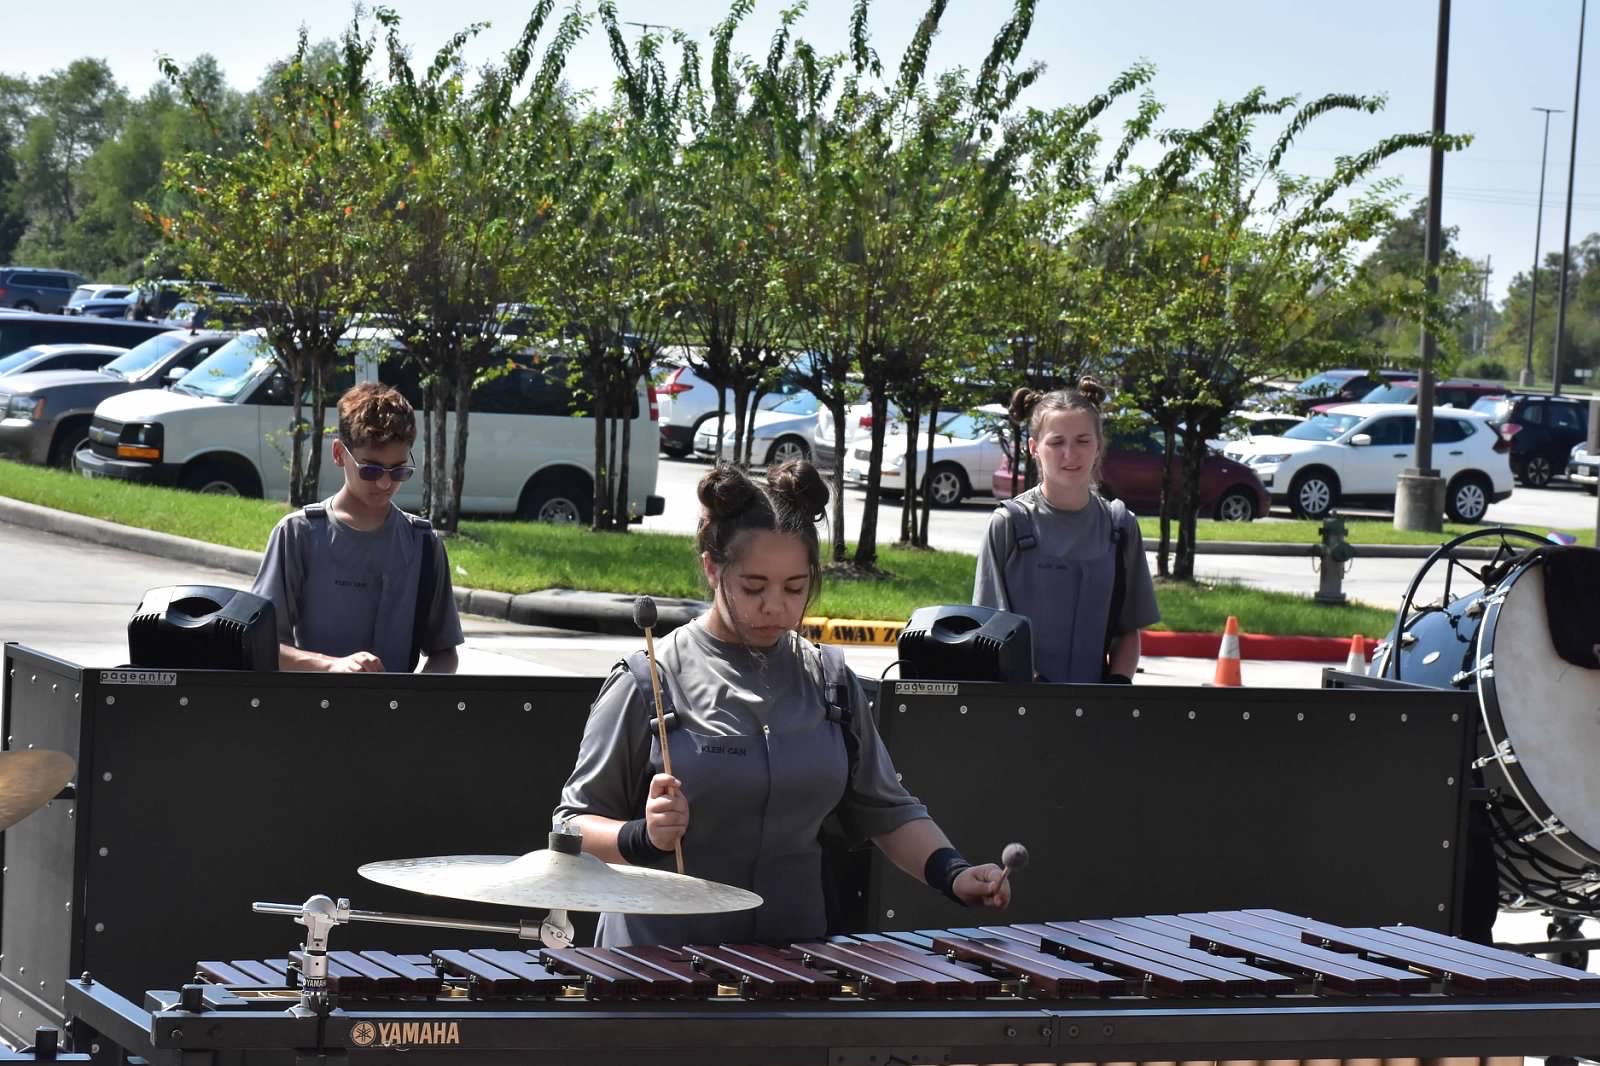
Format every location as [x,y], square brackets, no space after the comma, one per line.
[769,735]
[1062,555]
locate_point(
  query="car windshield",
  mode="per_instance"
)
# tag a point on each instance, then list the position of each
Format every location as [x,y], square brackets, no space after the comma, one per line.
[227,371]
[141,357]
[963,427]
[801,403]
[1322,427]
[18,359]
[1401,392]
[1321,384]
[1496,407]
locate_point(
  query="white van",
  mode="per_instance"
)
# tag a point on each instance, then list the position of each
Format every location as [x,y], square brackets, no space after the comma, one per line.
[224,428]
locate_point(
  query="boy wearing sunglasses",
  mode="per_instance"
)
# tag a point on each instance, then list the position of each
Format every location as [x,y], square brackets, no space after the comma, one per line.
[358,584]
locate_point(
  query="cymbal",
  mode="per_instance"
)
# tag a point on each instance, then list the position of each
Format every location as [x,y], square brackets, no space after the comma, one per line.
[29,780]
[545,880]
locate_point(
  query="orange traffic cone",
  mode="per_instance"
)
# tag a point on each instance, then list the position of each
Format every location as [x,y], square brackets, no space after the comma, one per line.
[1356,661]
[1228,656]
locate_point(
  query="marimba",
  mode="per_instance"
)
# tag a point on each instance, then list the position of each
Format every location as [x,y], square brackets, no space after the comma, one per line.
[1250,984]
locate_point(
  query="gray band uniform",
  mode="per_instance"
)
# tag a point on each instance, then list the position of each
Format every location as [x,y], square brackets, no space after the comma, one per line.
[339,590]
[1063,584]
[762,766]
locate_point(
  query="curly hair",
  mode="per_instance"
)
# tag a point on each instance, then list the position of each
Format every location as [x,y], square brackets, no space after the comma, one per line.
[373,415]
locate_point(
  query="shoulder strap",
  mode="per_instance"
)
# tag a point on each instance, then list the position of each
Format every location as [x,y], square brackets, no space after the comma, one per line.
[1117,512]
[638,664]
[316,512]
[427,577]
[835,684]
[1021,525]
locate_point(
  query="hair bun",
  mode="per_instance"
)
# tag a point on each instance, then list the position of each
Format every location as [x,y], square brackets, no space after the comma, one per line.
[726,491]
[800,486]
[1092,390]
[1022,404]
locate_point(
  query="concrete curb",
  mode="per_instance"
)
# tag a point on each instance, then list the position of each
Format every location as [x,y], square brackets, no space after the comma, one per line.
[1362,551]
[112,535]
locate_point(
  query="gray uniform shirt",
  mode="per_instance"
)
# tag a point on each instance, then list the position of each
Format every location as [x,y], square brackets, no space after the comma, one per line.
[762,766]
[338,590]
[1063,584]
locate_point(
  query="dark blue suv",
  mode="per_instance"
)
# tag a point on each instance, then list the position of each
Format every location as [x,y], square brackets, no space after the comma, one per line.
[29,289]
[1541,431]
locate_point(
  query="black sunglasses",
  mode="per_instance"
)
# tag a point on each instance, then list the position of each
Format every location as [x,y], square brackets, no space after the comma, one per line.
[375,471]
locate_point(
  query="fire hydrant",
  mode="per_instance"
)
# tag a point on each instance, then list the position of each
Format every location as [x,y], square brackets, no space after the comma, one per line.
[1332,555]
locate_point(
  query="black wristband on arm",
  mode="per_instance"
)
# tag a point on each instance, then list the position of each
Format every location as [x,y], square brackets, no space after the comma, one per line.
[636,846]
[942,869]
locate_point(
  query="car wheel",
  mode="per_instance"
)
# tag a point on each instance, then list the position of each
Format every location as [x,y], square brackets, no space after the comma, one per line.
[787,450]
[1313,494]
[1536,472]
[560,498]
[1236,505]
[946,485]
[69,439]
[214,478]
[27,305]
[1467,499]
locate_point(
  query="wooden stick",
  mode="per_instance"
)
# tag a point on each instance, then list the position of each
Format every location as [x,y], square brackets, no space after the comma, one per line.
[661,725]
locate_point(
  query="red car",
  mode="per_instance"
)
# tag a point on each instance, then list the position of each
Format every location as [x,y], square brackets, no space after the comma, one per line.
[1229,491]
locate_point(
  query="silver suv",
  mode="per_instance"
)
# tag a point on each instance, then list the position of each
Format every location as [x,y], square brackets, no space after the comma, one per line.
[30,289]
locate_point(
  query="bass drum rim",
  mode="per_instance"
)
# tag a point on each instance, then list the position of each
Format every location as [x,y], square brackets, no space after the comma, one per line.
[1497,737]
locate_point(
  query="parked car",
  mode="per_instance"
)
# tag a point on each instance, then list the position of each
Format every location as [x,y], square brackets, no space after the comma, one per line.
[153,300]
[689,402]
[1246,425]
[1462,394]
[23,329]
[1584,468]
[966,454]
[44,416]
[95,297]
[224,429]
[58,357]
[1341,386]
[857,427]
[1354,454]
[779,433]
[1131,472]
[1541,430]
[35,289]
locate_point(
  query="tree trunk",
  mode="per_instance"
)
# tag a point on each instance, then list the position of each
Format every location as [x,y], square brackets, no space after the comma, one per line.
[319,421]
[908,503]
[458,466]
[427,456]
[613,504]
[1165,544]
[597,507]
[624,509]
[743,423]
[836,479]
[927,504]
[438,393]
[1188,524]
[867,547]
[297,441]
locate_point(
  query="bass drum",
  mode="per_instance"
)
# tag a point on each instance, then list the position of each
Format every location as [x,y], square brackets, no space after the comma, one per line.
[1538,735]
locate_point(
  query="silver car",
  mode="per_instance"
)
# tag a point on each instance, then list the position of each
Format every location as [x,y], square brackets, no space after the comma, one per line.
[1584,468]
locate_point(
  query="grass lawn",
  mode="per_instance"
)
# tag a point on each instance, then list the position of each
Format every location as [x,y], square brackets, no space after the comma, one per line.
[524,557]
[1357,531]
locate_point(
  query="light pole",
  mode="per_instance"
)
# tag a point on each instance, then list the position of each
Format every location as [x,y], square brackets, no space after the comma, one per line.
[1566,232]
[1419,492]
[1538,228]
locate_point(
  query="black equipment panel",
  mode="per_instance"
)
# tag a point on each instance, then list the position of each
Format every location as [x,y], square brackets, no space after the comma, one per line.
[1131,799]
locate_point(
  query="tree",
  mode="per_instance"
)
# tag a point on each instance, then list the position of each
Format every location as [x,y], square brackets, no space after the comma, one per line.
[460,173]
[71,113]
[290,220]
[1222,269]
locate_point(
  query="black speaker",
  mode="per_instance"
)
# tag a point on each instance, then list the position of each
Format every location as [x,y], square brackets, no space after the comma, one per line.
[203,627]
[963,642]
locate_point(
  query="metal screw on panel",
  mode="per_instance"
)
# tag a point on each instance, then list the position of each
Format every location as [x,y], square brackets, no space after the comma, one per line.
[1441,908]
[1450,782]
[461,706]
[324,704]
[33,679]
[94,1049]
[888,914]
[1455,718]
[1191,716]
[1446,843]
[110,700]
[1352,716]
[1405,718]
[183,701]
[1044,1031]
[177,1034]
[1247,716]
[104,852]
[1080,712]
[255,701]
[394,705]
[527,706]
[1072,1032]
[1011,1031]
[99,927]
[1136,712]
[902,708]
[106,776]
[963,708]
[1106,1030]
[1022,710]
[1300,717]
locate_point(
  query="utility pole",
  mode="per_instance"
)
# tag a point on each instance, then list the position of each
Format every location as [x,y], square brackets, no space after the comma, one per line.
[1566,232]
[1482,344]
[1419,492]
[1538,228]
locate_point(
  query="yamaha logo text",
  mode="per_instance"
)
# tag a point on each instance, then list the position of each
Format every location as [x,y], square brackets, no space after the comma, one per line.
[404,1034]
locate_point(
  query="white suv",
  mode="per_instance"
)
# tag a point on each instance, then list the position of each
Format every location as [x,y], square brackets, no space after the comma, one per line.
[224,428]
[1353,455]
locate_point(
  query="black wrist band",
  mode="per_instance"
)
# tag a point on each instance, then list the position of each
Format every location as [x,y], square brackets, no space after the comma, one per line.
[636,846]
[1118,679]
[942,869]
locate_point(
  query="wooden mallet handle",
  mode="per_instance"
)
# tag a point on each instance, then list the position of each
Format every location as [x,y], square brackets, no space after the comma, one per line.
[644,615]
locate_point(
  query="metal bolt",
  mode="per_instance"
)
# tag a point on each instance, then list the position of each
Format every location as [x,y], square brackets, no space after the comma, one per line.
[1352,716]
[1136,712]
[1455,718]
[183,701]
[1247,716]
[902,708]
[99,927]
[394,705]
[255,701]
[963,708]
[1080,712]
[1044,1031]
[106,776]
[104,852]
[54,687]
[1405,718]
[888,914]
[1447,844]
[1300,717]
[1191,716]
[94,1049]
[527,706]
[324,704]
[1450,781]
[1106,1030]
[461,706]
[1441,908]
[110,700]
[177,1034]
[33,679]
[76,696]
[69,904]
[1072,1032]
[1011,1032]
[1022,710]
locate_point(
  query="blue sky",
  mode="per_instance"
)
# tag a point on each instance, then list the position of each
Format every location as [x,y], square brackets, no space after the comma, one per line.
[1505,58]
